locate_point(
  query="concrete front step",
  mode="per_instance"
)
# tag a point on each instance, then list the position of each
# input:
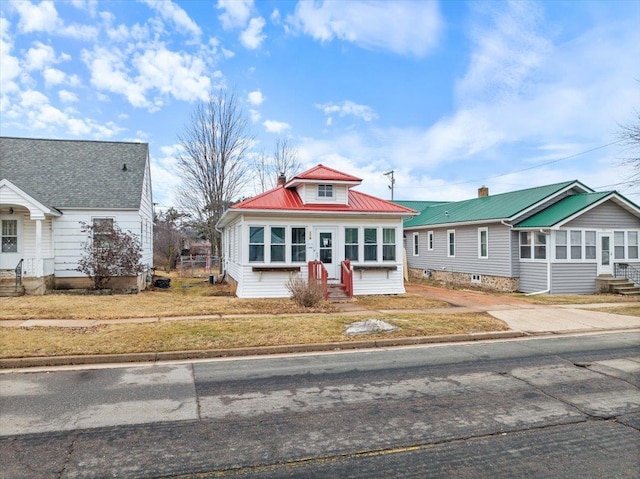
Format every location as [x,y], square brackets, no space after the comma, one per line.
[9,291]
[337,293]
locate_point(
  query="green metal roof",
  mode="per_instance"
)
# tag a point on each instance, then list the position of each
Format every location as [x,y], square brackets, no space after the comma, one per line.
[562,210]
[493,207]
[418,205]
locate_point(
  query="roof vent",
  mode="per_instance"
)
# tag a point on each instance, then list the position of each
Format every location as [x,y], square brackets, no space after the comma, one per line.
[483,192]
[124,167]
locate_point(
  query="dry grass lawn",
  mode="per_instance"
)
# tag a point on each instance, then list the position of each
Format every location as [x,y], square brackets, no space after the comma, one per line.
[577,298]
[622,309]
[226,333]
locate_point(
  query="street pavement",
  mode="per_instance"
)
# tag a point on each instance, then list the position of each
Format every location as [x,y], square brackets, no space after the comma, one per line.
[537,407]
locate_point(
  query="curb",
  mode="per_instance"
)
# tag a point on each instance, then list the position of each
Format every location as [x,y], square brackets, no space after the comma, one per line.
[15,363]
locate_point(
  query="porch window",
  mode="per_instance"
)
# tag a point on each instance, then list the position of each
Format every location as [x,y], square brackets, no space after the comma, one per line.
[351,244]
[483,243]
[451,246]
[576,244]
[561,245]
[388,244]
[416,239]
[256,243]
[277,244]
[632,249]
[525,245]
[370,244]
[298,245]
[540,246]
[325,191]
[618,244]
[590,245]
[9,236]
[430,241]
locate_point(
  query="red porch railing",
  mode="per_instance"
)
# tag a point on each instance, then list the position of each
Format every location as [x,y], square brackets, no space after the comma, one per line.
[317,272]
[346,277]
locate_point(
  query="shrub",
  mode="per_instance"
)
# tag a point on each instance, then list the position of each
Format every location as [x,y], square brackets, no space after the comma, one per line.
[307,295]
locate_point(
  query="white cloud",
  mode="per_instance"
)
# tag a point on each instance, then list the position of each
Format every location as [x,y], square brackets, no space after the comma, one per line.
[53,76]
[254,115]
[255,98]
[403,27]
[67,96]
[253,37]
[90,6]
[43,17]
[275,16]
[170,11]
[10,70]
[235,14]
[348,107]
[273,126]
[39,56]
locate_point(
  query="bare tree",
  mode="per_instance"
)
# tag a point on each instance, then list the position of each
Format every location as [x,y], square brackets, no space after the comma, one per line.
[213,164]
[168,237]
[630,136]
[283,161]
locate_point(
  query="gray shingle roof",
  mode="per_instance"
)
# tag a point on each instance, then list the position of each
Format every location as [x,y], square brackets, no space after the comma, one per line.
[76,173]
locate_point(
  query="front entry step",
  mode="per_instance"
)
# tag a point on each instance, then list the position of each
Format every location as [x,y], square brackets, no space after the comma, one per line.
[10,290]
[337,294]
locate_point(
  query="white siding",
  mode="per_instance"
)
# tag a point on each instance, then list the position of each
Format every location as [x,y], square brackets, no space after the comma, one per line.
[533,277]
[146,219]
[573,278]
[309,194]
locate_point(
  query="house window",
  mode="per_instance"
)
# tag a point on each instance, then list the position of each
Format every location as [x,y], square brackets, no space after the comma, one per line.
[298,245]
[256,243]
[590,245]
[416,239]
[430,241]
[576,244]
[325,191]
[483,242]
[102,230]
[632,249]
[277,244]
[525,245]
[618,244]
[370,244]
[388,244]
[9,236]
[561,245]
[540,246]
[451,243]
[351,244]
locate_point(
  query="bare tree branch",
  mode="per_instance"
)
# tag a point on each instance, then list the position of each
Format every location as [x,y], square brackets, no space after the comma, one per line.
[268,169]
[630,136]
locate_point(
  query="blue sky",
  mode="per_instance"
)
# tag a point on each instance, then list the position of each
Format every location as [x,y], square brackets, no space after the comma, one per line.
[449,95]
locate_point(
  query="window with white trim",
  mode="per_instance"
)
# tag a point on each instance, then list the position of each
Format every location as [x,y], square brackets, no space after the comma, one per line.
[561,245]
[256,244]
[525,245]
[576,244]
[298,245]
[416,239]
[451,243]
[618,244]
[632,248]
[590,245]
[351,244]
[371,244]
[483,243]
[325,191]
[102,230]
[388,244]
[429,240]
[540,246]
[277,244]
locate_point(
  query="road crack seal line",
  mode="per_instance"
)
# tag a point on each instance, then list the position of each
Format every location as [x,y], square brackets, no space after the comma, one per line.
[195,393]
[69,453]
[589,366]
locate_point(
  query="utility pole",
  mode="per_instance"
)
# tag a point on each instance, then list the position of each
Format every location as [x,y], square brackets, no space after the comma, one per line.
[393,181]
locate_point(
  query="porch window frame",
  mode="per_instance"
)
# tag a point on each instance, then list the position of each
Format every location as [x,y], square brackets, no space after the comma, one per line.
[258,246]
[351,245]
[299,246]
[388,247]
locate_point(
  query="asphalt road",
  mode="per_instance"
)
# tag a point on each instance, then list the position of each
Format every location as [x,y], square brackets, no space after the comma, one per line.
[538,408]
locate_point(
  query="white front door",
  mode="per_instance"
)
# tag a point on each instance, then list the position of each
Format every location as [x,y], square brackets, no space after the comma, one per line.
[326,247]
[605,253]
[10,241]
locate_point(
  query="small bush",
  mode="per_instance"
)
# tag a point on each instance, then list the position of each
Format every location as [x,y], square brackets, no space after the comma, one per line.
[306,295]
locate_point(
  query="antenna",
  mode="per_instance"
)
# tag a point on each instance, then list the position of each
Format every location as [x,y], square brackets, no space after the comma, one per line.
[393,181]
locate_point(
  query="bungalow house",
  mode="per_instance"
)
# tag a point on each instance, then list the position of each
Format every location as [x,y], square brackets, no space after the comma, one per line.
[560,238]
[318,217]
[48,187]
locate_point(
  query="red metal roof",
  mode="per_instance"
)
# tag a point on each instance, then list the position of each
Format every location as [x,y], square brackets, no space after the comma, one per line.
[321,172]
[286,199]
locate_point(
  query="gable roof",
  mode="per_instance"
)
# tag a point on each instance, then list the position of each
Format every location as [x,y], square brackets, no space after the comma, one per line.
[570,206]
[76,173]
[504,206]
[323,173]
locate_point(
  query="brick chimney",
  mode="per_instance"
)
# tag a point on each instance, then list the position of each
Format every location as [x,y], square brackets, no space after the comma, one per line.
[483,192]
[282,179]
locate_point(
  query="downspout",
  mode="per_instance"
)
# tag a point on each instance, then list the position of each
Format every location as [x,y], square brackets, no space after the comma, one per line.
[548,270]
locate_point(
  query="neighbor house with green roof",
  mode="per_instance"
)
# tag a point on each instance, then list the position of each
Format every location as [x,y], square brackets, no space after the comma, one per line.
[48,187]
[556,239]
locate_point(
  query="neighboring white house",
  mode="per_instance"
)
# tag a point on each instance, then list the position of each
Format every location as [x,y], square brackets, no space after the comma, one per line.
[48,187]
[315,215]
